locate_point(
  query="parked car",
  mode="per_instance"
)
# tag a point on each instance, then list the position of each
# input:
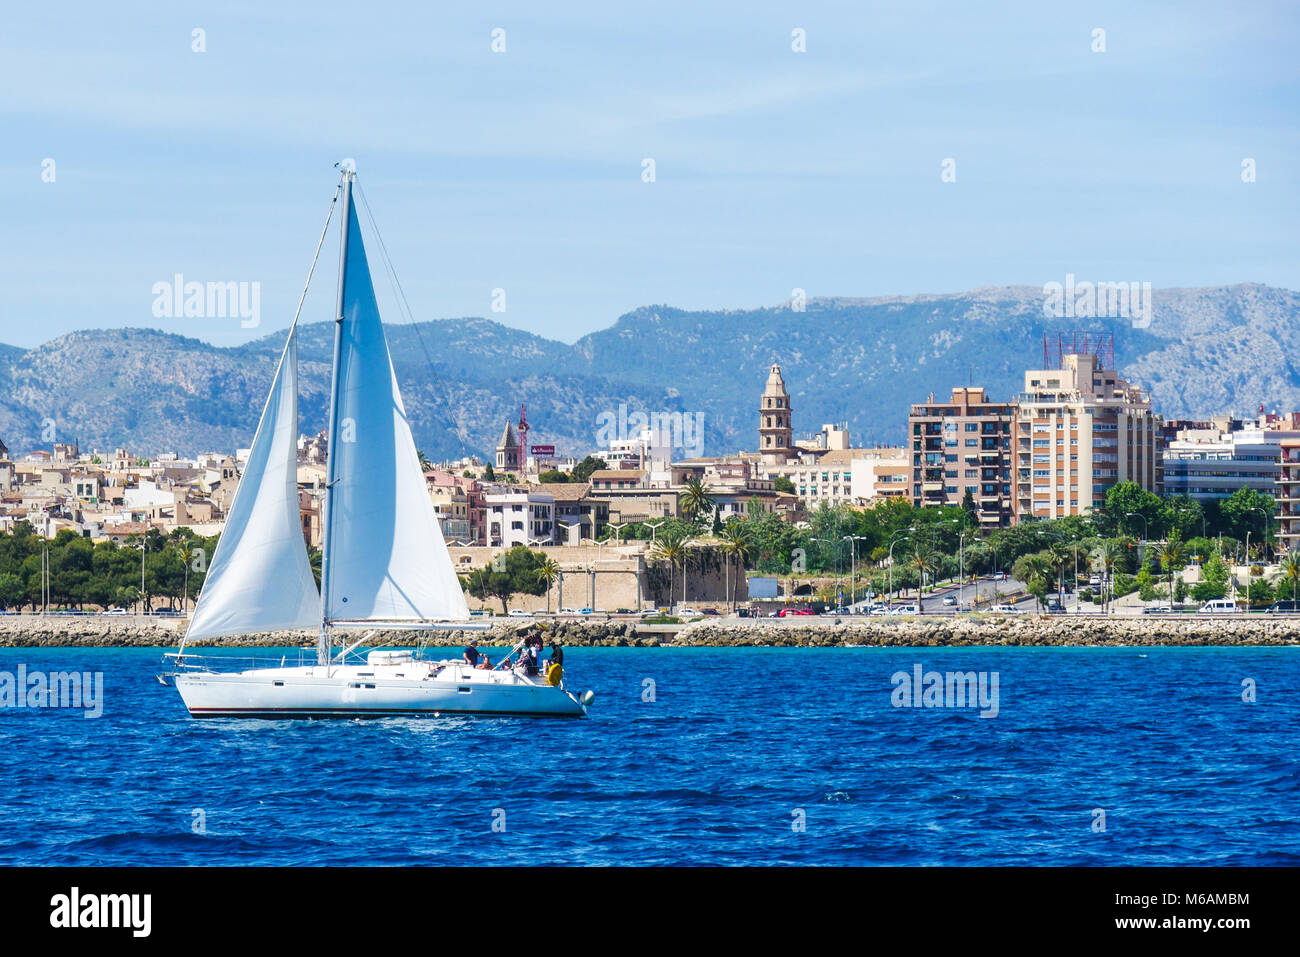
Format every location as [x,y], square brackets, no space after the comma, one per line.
[568,611]
[949,600]
[790,612]
[905,610]
[520,613]
[169,613]
[586,611]
[1286,607]
[684,610]
[116,611]
[1004,610]
[1218,606]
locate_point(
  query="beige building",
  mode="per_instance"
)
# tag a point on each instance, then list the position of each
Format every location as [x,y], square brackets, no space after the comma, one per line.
[960,446]
[1078,431]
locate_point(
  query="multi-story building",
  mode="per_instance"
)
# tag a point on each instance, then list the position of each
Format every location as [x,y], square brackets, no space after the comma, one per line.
[1215,465]
[1287,494]
[963,445]
[520,518]
[1080,429]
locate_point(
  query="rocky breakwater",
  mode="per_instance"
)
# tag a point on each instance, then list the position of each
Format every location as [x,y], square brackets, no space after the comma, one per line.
[1057,630]
[130,631]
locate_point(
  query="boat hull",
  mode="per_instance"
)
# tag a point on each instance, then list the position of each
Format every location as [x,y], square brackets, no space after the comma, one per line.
[352,692]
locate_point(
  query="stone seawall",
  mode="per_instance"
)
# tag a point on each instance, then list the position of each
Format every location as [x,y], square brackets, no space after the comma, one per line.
[937,631]
[91,631]
[1037,631]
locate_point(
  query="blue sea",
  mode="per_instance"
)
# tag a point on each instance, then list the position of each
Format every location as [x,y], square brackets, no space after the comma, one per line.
[689,756]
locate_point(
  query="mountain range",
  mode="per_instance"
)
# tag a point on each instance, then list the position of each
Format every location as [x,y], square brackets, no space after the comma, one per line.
[859,362]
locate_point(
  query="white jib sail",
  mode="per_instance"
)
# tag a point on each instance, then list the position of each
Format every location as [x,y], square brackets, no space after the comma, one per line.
[260,578]
[387,559]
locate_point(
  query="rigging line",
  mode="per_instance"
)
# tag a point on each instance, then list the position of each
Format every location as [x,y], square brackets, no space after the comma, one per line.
[319,243]
[402,300]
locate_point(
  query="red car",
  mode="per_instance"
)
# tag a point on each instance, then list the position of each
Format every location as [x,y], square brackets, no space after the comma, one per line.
[784,612]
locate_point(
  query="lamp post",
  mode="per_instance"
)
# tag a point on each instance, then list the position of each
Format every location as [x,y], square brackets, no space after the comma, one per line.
[1256,508]
[571,526]
[891,563]
[654,527]
[853,566]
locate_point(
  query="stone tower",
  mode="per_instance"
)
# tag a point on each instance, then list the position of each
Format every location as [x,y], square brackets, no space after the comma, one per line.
[508,451]
[775,435]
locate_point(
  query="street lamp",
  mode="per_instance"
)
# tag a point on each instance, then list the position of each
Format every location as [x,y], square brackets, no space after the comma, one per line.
[654,527]
[1256,508]
[891,562]
[571,526]
[853,566]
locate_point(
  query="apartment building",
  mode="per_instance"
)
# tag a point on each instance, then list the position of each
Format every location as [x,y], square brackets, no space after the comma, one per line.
[963,445]
[520,518]
[1079,429]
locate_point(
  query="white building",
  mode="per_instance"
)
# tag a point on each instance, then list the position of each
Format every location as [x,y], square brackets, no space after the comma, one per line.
[520,518]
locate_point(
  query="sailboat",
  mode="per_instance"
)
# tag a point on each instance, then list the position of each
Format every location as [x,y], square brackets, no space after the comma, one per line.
[384,564]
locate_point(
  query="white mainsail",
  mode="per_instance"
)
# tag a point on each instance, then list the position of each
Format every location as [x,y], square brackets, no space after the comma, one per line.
[260,578]
[385,556]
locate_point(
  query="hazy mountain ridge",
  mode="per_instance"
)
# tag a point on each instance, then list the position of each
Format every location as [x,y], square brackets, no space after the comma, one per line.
[858,360]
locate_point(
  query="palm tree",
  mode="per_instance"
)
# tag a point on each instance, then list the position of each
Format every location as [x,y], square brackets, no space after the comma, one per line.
[1030,569]
[549,571]
[672,549]
[923,558]
[696,500]
[737,545]
[1291,570]
[1105,557]
[1172,557]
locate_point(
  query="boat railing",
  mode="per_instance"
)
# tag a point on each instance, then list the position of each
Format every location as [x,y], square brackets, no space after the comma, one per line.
[183,663]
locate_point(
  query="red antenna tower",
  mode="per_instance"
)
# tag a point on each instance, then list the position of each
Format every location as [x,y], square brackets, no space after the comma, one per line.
[1098,344]
[523,433]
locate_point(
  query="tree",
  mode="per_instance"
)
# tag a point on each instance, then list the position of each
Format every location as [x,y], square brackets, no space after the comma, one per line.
[1172,557]
[783,484]
[425,464]
[1127,496]
[549,572]
[923,559]
[553,476]
[1240,513]
[12,591]
[696,500]
[672,549]
[737,544]
[489,473]
[969,507]
[582,471]
[1290,572]
[512,573]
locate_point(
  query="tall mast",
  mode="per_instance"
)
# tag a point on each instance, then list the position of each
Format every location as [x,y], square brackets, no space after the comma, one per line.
[323,642]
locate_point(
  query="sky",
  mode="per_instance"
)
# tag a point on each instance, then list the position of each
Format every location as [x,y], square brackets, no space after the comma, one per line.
[128,156]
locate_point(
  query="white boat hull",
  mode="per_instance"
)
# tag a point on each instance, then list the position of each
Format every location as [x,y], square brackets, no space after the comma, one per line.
[353,691]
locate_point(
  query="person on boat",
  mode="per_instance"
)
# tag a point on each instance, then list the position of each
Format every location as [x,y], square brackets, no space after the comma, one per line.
[484,663]
[471,655]
[557,653]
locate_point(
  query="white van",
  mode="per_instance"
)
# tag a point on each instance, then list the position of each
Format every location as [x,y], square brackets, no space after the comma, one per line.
[1218,606]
